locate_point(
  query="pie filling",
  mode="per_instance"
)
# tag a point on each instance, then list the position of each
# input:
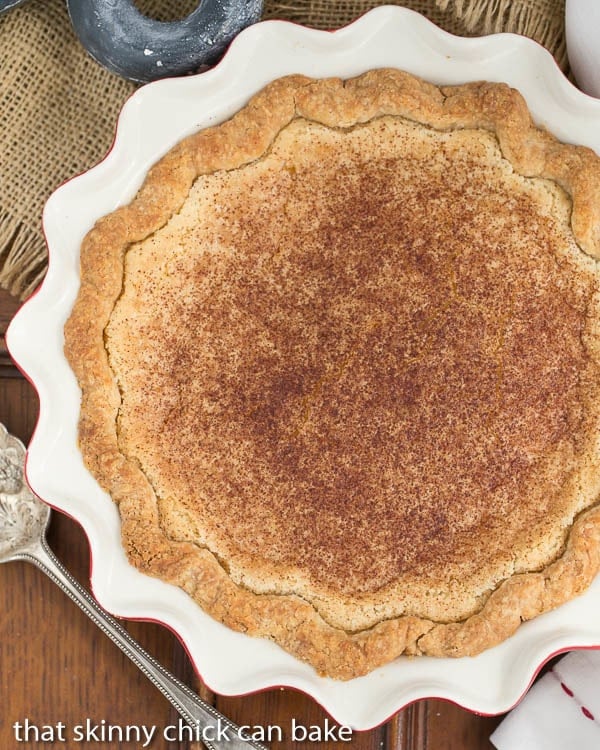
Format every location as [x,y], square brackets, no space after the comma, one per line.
[340,368]
[356,370]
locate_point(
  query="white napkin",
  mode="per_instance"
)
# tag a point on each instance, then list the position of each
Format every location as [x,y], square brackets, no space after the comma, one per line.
[582,28]
[560,712]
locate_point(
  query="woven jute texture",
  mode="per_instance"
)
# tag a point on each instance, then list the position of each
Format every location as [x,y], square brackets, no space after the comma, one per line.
[58,108]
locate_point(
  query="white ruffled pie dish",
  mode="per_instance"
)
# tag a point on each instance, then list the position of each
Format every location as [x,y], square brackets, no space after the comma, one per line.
[152,121]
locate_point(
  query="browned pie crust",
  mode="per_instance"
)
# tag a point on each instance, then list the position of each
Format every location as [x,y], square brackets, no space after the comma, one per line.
[362,417]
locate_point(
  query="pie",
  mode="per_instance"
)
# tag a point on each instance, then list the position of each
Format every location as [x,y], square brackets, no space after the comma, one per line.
[340,368]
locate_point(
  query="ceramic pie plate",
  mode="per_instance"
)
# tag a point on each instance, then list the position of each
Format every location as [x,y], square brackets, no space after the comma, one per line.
[152,121]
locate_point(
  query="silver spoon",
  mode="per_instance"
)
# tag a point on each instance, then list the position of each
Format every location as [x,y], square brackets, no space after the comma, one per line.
[23,523]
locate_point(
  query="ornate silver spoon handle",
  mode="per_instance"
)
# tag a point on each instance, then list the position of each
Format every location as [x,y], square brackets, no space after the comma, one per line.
[212,728]
[23,523]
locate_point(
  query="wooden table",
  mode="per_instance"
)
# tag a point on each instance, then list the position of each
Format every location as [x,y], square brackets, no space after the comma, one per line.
[56,666]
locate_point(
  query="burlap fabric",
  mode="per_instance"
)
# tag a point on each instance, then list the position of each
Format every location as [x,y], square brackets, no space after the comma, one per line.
[58,107]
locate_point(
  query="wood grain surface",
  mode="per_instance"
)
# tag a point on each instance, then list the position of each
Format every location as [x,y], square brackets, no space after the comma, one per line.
[57,667]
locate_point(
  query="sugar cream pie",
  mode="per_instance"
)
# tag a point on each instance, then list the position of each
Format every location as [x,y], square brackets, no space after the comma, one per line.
[340,368]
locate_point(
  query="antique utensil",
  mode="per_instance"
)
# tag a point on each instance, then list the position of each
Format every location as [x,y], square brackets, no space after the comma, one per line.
[23,523]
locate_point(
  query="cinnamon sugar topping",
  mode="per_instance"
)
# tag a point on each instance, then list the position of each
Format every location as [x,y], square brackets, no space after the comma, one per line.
[363,364]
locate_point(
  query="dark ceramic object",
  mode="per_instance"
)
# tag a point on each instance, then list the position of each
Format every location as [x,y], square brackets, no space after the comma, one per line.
[8,4]
[122,39]
[142,49]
